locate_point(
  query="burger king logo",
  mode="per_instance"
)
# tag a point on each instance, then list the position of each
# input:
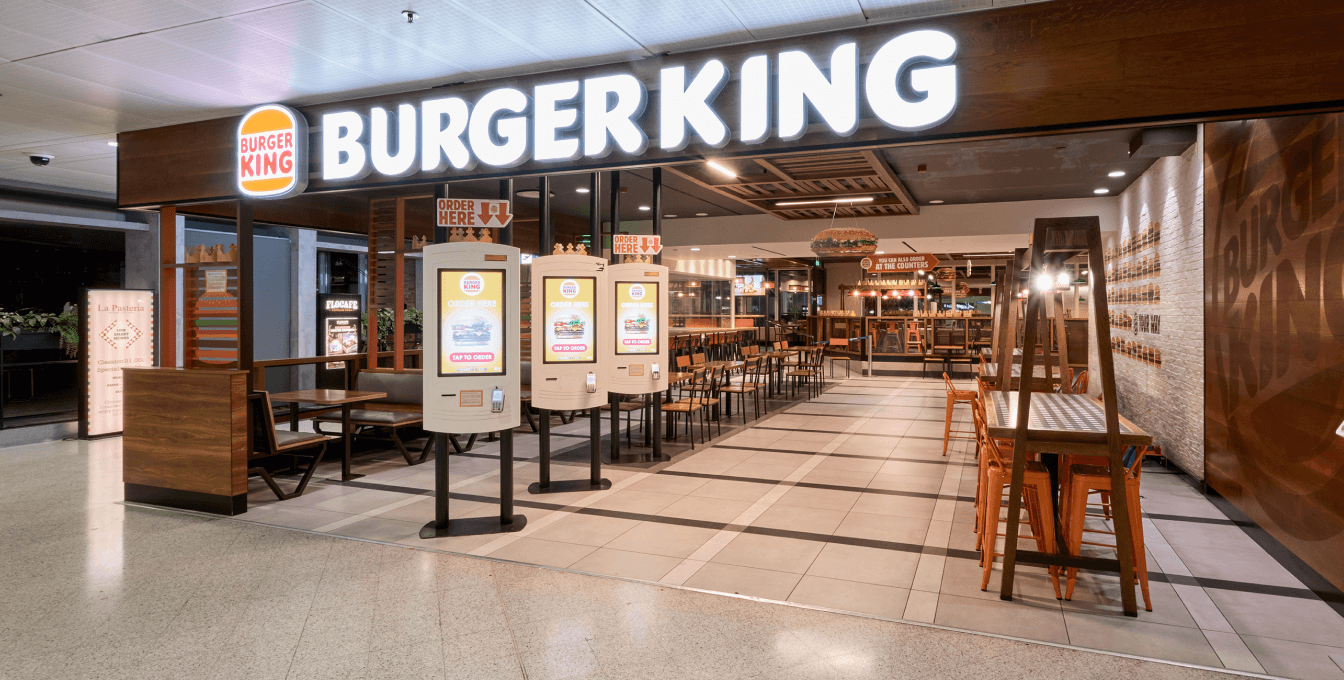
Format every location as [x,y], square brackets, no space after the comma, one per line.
[636,292]
[472,284]
[569,288]
[272,152]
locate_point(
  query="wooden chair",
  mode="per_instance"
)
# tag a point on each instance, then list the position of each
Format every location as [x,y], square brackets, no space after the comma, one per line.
[268,442]
[840,342]
[914,334]
[1080,383]
[709,392]
[807,370]
[954,397]
[628,407]
[1083,479]
[753,378]
[1035,499]
[689,406]
[698,359]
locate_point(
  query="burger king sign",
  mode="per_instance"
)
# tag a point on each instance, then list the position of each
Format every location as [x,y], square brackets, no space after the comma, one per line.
[272,152]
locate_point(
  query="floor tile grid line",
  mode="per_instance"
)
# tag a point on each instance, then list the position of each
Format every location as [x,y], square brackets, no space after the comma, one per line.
[580,503]
[860,456]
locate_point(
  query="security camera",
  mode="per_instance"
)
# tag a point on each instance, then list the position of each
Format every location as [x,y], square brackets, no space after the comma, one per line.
[40,159]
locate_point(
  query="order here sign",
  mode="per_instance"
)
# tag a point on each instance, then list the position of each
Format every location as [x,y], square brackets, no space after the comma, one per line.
[635,244]
[473,212]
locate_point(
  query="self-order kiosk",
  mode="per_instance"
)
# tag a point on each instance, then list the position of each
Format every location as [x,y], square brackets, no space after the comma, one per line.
[471,361]
[570,340]
[638,295]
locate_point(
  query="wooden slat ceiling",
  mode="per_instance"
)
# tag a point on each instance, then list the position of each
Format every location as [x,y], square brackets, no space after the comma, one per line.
[813,177]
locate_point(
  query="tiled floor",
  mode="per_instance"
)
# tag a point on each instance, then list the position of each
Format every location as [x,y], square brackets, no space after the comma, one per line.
[846,502]
[843,502]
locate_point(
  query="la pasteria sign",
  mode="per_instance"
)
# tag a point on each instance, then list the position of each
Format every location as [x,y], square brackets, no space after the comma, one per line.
[908,83]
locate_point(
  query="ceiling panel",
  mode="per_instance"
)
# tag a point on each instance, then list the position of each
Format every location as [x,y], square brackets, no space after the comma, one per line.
[140,16]
[179,67]
[893,10]
[47,27]
[559,29]
[53,174]
[767,19]
[675,27]
[132,109]
[16,44]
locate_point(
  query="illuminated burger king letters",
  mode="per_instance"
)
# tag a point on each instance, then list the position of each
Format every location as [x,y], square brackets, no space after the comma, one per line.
[909,84]
[272,152]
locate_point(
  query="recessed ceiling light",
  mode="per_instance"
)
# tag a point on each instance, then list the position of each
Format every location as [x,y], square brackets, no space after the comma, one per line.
[669,215]
[1101,191]
[643,207]
[881,252]
[111,143]
[702,214]
[1116,173]
[936,201]
[532,193]
[721,168]
[695,249]
[581,190]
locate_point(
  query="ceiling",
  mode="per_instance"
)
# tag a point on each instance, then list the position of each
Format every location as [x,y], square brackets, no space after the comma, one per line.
[73,73]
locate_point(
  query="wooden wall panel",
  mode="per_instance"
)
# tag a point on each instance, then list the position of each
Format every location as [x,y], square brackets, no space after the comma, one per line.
[1274,317]
[186,430]
[1023,69]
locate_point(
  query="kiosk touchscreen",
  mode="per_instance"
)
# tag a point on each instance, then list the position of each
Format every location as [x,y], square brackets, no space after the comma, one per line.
[471,369]
[569,355]
[638,294]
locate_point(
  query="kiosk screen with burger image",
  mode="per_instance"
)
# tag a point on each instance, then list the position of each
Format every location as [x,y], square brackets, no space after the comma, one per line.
[570,320]
[471,318]
[636,318]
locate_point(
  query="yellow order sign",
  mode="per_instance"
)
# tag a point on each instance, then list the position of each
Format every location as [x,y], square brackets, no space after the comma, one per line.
[471,322]
[636,318]
[569,321]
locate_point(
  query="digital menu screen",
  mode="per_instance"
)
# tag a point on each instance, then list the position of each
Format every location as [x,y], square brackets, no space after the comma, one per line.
[471,322]
[636,318]
[750,284]
[569,320]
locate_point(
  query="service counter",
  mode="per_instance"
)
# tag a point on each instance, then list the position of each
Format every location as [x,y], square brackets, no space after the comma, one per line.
[905,335]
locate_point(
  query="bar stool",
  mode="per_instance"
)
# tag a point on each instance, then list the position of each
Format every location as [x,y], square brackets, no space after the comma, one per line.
[954,397]
[1035,499]
[1084,479]
[913,333]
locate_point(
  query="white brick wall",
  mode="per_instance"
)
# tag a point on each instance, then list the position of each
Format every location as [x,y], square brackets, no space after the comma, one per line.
[1168,401]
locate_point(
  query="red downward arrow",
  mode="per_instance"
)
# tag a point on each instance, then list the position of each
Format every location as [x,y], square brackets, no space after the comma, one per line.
[485,214]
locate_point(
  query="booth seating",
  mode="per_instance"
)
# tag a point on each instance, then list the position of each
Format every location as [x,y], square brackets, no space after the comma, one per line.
[268,442]
[401,409]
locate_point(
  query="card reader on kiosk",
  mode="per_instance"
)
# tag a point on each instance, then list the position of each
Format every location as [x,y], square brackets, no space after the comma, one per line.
[638,317]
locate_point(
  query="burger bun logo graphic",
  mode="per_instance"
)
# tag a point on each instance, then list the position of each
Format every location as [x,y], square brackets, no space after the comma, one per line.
[272,149]
[636,292]
[472,284]
[569,288]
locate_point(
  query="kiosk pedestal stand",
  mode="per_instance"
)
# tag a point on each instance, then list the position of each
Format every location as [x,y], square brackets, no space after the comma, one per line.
[471,369]
[568,362]
[639,311]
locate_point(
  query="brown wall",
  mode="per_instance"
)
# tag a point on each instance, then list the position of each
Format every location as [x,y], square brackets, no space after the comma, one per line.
[1021,70]
[1274,317]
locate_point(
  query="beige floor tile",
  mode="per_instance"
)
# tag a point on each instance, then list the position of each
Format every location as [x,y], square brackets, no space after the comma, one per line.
[544,553]
[775,459]
[1100,594]
[626,564]
[656,538]
[673,484]
[1297,659]
[706,509]
[796,518]
[1235,655]
[1002,618]
[636,501]
[728,578]
[1119,633]
[769,552]
[884,528]
[851,596]
[926,485]
[1284,618]
[731,490]
[845,478]
[586,529]
[901,468]
[823,499]
[897,506]
[868,565]
[758,471]
[834,462]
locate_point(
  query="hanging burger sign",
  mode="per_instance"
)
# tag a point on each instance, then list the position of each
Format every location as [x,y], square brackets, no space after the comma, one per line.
[272,150]
[844,242]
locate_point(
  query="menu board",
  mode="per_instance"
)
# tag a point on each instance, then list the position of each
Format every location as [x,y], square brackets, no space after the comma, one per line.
[636,318]
[119,333]
[341,337]
[471,322]
[569,320]
[750,284]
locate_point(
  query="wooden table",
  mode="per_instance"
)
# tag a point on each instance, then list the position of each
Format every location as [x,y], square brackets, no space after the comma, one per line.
[1067,424]
[342,398]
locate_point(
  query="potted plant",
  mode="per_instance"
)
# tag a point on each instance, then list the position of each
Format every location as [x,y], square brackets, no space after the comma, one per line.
[412,321]
[31,329]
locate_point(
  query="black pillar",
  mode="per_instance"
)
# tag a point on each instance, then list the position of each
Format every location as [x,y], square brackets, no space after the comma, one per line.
[657,206]
[245,301]
[615,214]
[506,193]
[545,235]
[595,214]
[440,233]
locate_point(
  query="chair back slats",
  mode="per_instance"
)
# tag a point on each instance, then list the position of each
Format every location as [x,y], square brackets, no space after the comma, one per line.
[263,426]
[683,361]
[698,359]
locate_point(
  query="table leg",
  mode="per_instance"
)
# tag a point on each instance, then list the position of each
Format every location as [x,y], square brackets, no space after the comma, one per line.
[345,434]
[293,416]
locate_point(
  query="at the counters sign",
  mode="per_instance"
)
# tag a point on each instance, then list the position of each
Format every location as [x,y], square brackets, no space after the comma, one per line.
[272,152]
[909,84]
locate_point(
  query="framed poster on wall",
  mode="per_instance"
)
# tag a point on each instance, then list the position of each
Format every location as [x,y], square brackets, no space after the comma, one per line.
[116,332]
[569,324]
[471,322]
[636,318]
